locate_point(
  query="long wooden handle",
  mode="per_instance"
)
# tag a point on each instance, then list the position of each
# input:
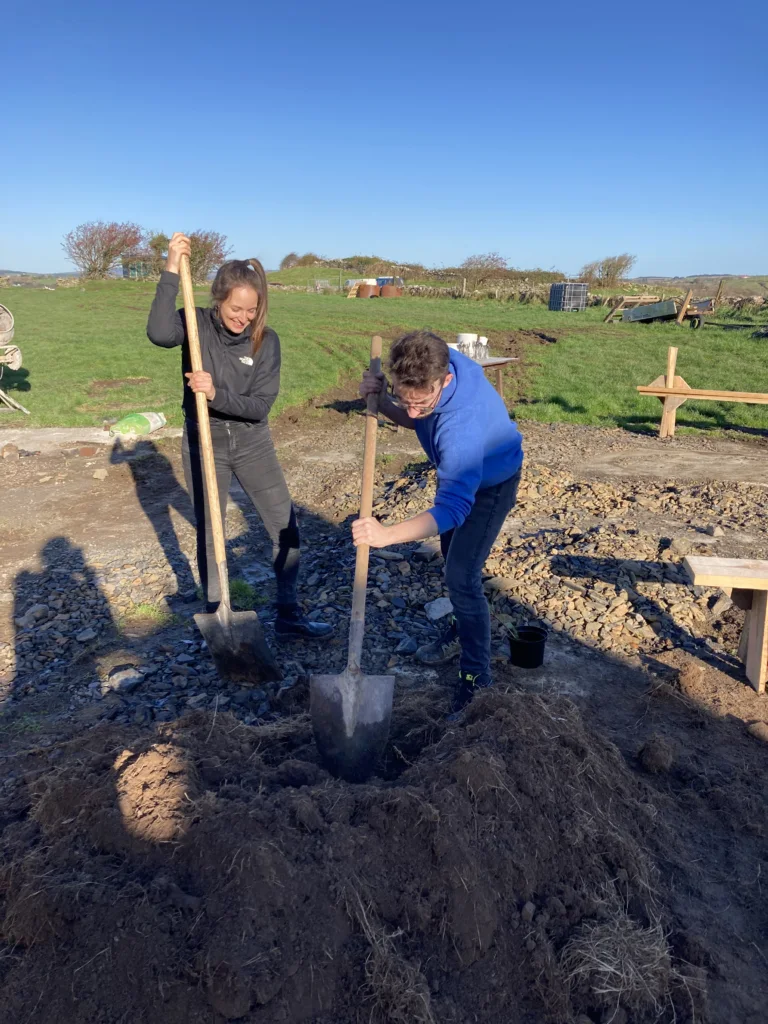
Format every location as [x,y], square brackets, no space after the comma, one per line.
[362,552]
[204,430]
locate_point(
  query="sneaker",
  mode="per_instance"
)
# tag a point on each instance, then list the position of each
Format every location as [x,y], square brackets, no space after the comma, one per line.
[445,648]
[293,624]
[469,685]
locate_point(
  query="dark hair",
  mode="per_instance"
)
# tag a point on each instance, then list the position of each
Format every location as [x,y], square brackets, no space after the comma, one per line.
[235,273]
[418,359]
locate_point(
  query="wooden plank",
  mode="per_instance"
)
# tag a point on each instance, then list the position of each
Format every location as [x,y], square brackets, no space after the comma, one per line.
[684,307]
[614,311]
[739,573]
[498,361]
[748,397]
[499,381]
[744,638]
[757,642]
[667,425]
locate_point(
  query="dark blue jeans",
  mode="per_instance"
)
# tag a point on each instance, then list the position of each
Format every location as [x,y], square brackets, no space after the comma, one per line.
[465,550]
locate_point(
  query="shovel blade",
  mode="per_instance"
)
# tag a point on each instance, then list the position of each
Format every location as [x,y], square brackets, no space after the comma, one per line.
[237,645]
[350,717]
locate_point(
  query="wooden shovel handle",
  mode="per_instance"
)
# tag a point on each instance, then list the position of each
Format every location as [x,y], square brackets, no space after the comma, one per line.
[204,431]
[362,552]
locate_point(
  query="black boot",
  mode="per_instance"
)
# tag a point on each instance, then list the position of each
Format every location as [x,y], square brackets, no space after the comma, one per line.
[293,624]
[469,685]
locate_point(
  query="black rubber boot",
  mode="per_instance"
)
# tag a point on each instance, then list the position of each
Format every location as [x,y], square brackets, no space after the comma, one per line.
[293,624]
[469,685]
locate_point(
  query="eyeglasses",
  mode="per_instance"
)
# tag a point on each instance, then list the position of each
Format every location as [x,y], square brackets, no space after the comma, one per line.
[420,409]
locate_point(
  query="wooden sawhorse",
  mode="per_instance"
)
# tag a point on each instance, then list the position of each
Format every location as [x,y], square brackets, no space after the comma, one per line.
[747,581]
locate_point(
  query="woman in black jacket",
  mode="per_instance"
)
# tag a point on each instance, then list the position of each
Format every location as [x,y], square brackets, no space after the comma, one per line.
[240,379]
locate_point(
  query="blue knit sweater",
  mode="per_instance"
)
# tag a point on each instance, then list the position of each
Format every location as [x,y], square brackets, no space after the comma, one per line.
[470,439]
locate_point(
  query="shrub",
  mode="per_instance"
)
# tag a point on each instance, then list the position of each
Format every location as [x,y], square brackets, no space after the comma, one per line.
[98,247]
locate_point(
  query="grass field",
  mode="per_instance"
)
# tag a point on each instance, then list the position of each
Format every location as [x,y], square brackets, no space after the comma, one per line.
[87,357]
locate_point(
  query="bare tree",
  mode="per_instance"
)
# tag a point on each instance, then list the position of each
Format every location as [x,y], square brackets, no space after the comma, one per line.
[97,247]
[289,261]
[489,266]
[608,272]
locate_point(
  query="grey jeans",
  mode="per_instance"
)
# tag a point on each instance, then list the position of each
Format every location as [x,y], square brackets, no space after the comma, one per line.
[245,451]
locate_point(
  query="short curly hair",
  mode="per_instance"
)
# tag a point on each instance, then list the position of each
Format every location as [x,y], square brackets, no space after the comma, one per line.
[418,359]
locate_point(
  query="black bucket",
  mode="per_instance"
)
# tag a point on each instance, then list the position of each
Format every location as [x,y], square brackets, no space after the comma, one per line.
[526,650]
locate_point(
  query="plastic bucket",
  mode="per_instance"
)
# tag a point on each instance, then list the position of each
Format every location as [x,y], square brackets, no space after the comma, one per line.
[526,650]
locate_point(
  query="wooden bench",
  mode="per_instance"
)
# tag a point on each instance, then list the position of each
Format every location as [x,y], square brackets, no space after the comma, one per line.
[674,392]
[746,580]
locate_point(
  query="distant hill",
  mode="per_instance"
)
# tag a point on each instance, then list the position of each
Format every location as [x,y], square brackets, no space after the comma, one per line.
[30,273]
[707,284]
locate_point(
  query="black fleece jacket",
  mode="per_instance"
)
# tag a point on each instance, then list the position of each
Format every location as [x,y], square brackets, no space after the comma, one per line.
[245,388]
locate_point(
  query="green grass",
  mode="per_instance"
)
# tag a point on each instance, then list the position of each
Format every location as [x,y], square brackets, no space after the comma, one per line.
[245,597]
[147,614]
[591,377]
[71,338]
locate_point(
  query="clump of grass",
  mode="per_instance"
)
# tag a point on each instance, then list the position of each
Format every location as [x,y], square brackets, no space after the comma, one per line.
[244,597]
[148,615]
[397,990]
[621,962]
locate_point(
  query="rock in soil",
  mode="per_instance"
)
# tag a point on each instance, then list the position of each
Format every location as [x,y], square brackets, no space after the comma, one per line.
[657,754]
[759,730]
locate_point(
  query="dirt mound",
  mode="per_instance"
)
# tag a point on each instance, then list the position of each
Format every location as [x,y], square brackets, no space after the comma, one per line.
[498,871]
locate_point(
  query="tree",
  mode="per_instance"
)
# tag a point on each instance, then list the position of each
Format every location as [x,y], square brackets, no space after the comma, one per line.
[97,247]
[485,267]
[157,254]
[608,272]
[209,250]
[289,261]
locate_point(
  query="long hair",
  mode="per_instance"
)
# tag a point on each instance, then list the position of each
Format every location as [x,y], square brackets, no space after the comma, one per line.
[231,275]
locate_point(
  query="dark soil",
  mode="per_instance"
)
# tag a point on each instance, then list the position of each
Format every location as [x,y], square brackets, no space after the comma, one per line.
[212,871]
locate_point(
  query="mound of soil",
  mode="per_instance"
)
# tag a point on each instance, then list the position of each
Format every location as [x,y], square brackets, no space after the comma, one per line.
[498,871]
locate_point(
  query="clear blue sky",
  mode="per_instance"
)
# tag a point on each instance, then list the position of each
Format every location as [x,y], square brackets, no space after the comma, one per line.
[554,134]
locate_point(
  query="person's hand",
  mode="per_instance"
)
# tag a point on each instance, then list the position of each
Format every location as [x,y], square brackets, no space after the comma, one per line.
[178,246]
[369,531]
[200,381]
[373,384]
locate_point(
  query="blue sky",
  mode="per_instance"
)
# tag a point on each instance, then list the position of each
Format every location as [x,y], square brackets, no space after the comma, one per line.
[553,134]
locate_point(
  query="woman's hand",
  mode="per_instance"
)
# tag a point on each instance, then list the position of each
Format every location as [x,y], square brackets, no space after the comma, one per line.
[178,246]
[200,381]
[370,531]
[373,384]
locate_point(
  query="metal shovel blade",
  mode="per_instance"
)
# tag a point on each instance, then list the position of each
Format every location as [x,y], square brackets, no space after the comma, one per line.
[237,646]
[350,716]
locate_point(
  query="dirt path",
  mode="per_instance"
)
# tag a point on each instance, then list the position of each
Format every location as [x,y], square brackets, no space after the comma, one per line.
[97,586]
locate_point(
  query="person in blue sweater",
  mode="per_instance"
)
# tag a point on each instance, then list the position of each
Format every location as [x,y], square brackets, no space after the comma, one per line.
[465,429]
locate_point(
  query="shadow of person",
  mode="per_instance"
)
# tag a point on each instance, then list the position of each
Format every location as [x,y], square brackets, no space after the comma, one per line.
[617,571]
[60,616]
[14,380]
[159,492]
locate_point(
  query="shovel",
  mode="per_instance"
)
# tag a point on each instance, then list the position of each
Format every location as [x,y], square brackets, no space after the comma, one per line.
[235,639]
[351,712]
